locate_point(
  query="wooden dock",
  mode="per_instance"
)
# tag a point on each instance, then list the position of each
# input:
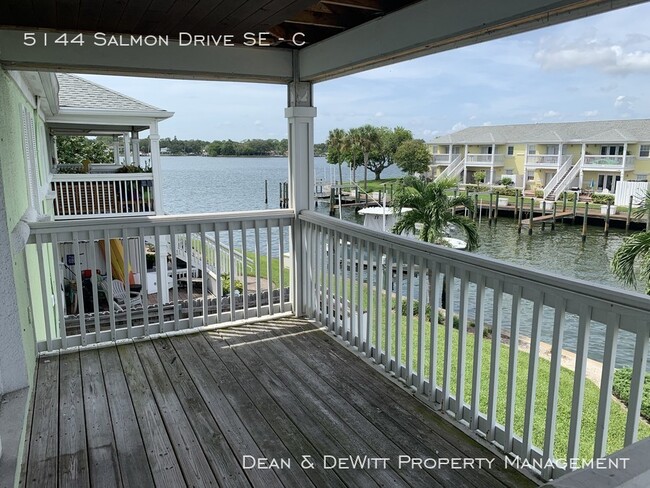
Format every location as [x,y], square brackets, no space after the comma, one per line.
[201,409]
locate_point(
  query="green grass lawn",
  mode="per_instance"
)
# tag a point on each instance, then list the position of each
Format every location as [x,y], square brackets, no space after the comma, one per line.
[618,414]
[275,269]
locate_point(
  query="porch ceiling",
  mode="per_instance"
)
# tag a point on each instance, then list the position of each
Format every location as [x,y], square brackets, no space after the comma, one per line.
[341,36]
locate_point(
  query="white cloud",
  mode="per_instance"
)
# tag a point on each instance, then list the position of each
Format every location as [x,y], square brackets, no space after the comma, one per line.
[487,123]
[551,113]
[590,113]
[472,117]
[458,126]
[624,102]
[257,122]
[379,114]
[604,55]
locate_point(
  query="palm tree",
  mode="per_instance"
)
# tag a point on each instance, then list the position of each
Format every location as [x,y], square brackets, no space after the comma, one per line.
[367,138]
[433,208]
[336,141]
[635,248]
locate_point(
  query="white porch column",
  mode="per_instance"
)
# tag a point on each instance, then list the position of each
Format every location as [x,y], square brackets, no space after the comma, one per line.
[135,144]
[582,161]
[451,148]
[300,115]
[154,136]
[559,154]
[116,150]
[624,161]
[127,149]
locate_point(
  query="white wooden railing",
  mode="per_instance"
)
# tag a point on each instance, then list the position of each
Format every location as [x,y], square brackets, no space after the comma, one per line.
[439,159]
[544,159]
[484,159]
[102,195]
[614,162]
[365,287]
[211,264]
[73,314]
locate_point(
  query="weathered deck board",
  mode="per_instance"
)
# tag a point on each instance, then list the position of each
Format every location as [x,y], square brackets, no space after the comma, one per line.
[132,457]
[43,445]
[185,410]
[160,452]
[102,455]
[73,457]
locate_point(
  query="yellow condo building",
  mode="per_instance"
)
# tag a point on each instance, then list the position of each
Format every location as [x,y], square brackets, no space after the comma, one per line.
[586,156]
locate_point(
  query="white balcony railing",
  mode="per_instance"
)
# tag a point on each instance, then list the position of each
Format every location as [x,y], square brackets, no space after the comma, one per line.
[79,262]
[484,159]
[102,195]
[370,289]
[608,162]
[442,159]
[544,159]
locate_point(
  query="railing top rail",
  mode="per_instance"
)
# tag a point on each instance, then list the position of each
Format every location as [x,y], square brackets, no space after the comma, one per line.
[72,177]
[158,220]
[633,301]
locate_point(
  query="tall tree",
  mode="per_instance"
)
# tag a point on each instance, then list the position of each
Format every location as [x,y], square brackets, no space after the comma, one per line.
[75,149]
[433,211]
[336,141]
[383,156]
[413,156]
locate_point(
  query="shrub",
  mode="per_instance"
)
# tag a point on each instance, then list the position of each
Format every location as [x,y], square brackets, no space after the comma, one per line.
[131,168]
[539,193]
[621,389]
[479,176]
[151,260]
[505,181]
[69,169]
[225,285]
[570,196]
[508,192]
[603,198]
[476,188]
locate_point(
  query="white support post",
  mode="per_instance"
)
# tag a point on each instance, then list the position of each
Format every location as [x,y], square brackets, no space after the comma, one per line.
[300,115]
[127,149]
[154,136]
[559,155]
[451,148]
[582,175]
[135,143]
[116,150]
[624,161]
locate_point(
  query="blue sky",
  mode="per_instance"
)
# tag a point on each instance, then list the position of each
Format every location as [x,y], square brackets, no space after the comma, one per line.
[596,68]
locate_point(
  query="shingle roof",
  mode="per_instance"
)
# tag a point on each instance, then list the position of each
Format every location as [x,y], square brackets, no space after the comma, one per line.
[637,130]
[79,93]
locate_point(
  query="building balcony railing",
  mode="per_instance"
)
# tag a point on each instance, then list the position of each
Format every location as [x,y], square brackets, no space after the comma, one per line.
[443,159]
[373,291]
[546,160]
[484,159]
[608,162]
[78,196]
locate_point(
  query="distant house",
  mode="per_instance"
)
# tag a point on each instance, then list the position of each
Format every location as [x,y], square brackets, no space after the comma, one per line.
[553,157]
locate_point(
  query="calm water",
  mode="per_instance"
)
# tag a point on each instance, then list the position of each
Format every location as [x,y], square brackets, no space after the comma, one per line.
[202,184]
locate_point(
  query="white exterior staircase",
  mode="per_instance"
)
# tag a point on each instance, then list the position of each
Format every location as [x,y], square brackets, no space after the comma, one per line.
[454,169]
[562,179]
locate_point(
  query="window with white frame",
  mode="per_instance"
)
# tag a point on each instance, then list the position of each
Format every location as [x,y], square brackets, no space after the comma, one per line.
[511,150]
[530,175]
[641,177]
[531,149]
[644,151]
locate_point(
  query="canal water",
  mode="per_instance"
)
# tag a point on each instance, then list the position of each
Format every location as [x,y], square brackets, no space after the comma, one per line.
[204,184]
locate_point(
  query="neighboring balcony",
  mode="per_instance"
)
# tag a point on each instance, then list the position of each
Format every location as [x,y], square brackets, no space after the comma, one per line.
[78,196]
[546,161]
[605,163]
[484,160]
[443,159]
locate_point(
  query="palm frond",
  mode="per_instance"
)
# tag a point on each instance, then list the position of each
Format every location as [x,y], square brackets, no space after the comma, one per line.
[634,247]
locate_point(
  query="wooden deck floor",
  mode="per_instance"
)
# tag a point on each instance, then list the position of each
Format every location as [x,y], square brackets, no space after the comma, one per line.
[189,410]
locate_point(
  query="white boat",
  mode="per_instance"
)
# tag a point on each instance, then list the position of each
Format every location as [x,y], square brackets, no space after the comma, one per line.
[383,219]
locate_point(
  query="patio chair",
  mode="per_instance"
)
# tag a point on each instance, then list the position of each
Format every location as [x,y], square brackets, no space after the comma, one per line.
[120,295]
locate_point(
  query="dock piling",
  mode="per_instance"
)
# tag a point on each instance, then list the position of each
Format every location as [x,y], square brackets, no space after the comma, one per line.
[585,218]
[332,202]
[629,214]
[475,205]
[554,213]
[543,214]
[266,191]
[521,214]
[532,215]
[496,208]
[609,206]
[564,199]
[516,204]
[575,208]
[490,211]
